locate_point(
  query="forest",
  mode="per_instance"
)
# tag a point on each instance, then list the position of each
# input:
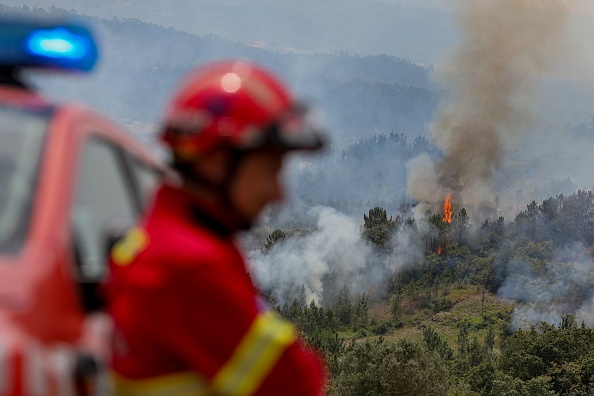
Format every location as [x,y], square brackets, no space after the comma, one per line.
[468,316]
[470,306]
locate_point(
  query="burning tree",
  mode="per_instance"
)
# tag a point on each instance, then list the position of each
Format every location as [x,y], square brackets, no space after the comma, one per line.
[437,243]
[450,227]
[447,209]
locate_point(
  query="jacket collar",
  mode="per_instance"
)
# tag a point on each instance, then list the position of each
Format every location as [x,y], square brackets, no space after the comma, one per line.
[201,212]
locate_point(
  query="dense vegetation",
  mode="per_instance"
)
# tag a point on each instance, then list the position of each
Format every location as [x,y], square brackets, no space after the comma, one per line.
[377,163]
[415,336]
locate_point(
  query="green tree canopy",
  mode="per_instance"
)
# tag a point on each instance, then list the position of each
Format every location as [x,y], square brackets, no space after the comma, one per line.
[378,368]
[377,227]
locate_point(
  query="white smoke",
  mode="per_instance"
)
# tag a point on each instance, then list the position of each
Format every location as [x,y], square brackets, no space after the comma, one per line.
[334,248]
[549,288]
[335,245]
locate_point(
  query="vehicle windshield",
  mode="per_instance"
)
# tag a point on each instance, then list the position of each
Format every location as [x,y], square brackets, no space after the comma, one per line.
[21,138]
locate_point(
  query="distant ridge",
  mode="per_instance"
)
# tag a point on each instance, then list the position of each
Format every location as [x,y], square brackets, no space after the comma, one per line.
[361,27]
[359,95]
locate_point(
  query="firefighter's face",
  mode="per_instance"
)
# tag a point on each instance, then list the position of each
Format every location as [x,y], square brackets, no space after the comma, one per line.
[257,183]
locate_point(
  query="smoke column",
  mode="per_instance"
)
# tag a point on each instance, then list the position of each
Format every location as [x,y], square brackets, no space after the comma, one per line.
[489,79]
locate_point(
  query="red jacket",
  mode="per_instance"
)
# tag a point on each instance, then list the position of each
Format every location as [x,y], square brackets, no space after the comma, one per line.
[187,318]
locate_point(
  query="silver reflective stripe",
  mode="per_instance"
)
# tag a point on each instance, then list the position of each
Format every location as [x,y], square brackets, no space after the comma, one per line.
[34,374]
[62,361]
[5,367]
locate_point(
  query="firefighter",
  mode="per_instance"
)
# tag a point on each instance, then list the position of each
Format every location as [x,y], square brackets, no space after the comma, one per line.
[187,319]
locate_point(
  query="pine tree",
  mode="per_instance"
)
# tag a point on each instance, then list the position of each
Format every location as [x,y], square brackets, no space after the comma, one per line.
[273,238]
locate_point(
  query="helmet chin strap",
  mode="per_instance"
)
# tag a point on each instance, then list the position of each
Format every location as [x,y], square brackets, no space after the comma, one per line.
[222,190]
[231,172]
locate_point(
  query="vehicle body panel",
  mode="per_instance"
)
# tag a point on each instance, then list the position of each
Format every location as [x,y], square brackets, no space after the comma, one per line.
[41,307]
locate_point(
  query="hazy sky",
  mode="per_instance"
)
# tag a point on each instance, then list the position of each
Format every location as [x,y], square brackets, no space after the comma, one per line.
[578,6]
[334,25]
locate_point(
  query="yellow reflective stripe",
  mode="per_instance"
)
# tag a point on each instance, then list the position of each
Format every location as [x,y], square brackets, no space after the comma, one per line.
[179,384]
[256,355]
[128,248]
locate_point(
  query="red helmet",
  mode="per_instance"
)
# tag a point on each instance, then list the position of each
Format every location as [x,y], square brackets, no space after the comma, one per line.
[239,105]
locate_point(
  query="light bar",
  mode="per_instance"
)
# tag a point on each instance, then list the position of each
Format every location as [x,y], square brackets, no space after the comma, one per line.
[39,44]
[57,43]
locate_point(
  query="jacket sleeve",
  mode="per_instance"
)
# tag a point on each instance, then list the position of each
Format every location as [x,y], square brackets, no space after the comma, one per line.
[239,347]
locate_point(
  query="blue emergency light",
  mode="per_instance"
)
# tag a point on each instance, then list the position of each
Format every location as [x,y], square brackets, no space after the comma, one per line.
[41,44]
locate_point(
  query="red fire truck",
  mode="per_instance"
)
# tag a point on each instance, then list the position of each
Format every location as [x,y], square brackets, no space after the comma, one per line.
[70,180]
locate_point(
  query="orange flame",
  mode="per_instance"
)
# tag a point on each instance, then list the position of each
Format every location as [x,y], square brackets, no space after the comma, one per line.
[447,209]
[439,250]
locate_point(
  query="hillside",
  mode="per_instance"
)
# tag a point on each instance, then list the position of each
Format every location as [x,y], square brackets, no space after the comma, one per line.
[480,308]
[484,311]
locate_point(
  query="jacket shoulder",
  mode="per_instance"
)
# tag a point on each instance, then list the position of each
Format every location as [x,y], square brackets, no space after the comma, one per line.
[189,245]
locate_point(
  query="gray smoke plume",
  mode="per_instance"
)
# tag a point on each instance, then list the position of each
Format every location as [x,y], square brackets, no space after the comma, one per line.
[490,78]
